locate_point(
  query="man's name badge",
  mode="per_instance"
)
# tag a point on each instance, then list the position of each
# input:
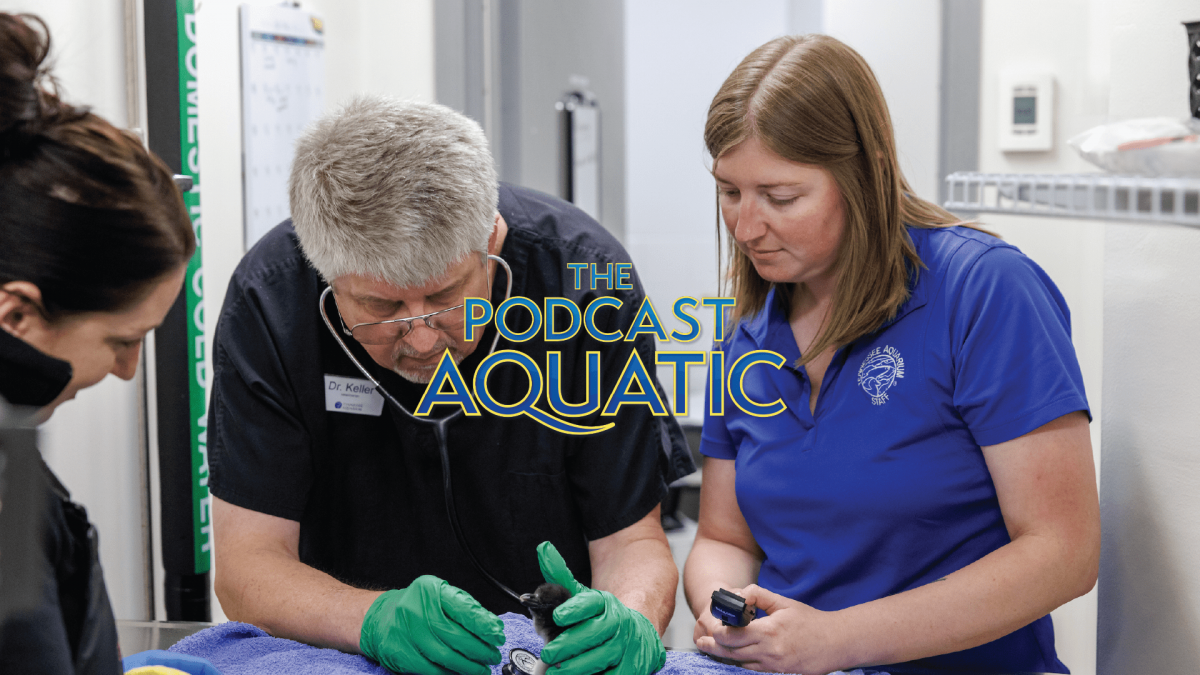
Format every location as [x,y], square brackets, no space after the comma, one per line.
[352,395]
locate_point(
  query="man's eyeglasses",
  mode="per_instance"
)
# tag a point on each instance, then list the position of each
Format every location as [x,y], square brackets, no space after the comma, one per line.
[446,320]
[388,332]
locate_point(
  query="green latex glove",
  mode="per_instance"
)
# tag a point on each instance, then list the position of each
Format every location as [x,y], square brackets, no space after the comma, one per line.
[603,634]
[431,628]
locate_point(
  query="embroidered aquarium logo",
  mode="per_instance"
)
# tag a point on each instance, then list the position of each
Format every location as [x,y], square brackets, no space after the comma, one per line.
[879,372]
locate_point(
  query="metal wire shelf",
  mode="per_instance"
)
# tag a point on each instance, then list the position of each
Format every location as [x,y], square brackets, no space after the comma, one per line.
[1093,196]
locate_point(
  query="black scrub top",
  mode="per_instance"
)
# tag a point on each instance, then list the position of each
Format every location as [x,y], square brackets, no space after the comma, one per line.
[367,490]
[71,630]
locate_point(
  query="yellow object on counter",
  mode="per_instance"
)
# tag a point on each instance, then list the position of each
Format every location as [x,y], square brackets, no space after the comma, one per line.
[155,670]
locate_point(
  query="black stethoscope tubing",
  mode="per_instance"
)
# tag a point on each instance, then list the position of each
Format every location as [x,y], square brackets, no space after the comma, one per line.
[439,430]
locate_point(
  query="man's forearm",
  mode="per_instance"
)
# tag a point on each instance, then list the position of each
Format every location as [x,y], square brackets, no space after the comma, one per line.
[289,599]
[260,580]
[643,576]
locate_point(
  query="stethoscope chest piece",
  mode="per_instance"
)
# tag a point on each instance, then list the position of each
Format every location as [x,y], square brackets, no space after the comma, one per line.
[521,662]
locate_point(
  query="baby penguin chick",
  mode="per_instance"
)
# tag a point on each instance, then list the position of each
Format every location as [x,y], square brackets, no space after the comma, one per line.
[541,605]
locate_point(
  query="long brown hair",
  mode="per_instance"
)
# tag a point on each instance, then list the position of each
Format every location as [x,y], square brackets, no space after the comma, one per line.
[812,99]
[87,214]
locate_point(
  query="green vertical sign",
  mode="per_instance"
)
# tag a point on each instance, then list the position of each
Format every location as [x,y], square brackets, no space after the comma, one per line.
[194,289]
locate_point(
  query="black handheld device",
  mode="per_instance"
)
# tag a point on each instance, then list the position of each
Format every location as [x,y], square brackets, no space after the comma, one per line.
[731,608]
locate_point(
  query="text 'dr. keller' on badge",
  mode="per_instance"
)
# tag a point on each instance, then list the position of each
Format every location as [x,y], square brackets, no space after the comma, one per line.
[352,395]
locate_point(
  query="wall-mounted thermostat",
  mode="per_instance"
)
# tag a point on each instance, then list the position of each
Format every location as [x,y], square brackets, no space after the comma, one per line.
[1026,111]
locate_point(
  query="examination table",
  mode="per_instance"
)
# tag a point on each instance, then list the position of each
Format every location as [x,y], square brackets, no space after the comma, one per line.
[242,649]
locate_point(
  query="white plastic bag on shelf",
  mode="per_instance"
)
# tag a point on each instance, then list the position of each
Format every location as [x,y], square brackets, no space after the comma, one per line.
[1151,146]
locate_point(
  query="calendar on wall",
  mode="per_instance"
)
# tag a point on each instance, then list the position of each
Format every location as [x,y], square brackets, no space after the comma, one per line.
[283,78]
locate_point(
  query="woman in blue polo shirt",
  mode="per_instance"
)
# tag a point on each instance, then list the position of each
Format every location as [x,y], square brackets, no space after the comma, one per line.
[928,496]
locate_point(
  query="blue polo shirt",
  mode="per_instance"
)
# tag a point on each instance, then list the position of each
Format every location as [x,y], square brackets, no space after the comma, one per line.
[885,487]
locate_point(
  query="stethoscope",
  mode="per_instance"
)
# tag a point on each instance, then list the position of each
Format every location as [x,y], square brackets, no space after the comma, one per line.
[439,427]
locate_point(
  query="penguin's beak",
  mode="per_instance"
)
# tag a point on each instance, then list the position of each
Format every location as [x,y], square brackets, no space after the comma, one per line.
[526,599]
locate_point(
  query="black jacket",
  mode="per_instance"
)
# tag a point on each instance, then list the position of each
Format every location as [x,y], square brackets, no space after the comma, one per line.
[72,630]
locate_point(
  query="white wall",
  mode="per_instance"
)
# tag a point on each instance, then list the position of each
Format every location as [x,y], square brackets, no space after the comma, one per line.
[1149,588]
[1069,39]
[91,443]
[902,43]
[677,54]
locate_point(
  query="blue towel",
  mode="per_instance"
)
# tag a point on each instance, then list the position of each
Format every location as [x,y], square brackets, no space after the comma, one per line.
[242,649]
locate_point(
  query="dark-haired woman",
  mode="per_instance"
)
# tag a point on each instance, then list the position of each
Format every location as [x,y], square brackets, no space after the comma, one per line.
[94,243]
[927,494]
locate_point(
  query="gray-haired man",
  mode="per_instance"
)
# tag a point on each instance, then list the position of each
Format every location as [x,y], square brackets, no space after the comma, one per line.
[325,495]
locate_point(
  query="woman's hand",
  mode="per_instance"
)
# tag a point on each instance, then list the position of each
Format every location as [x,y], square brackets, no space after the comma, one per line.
[706,623]
[792,638]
